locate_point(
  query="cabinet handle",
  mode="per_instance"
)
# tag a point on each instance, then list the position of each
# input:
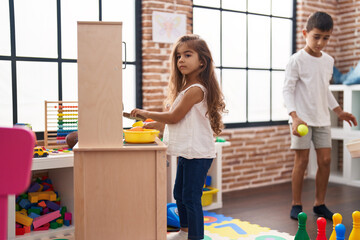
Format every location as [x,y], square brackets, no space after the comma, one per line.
[125,55]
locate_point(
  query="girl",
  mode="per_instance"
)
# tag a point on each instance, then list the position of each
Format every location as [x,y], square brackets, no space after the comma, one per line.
[196,106]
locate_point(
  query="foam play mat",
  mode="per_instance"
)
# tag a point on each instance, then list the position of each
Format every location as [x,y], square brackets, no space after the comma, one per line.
[219,227]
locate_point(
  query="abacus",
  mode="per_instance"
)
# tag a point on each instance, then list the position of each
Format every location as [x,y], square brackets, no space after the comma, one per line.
[61,118]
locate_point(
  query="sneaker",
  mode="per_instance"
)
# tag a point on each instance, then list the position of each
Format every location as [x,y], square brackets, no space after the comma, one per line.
[323,211]
[181,235]
[295,210]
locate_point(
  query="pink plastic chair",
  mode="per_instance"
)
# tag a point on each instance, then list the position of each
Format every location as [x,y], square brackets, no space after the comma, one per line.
[16,152]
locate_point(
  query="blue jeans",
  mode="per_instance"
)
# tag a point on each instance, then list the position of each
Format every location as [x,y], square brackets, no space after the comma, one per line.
[188,189]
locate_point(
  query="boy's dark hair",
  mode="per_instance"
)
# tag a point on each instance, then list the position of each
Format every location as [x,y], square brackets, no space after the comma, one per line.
[319,20]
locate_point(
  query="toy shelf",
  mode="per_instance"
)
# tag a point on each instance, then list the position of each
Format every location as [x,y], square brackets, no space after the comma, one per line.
[53,161]
[344,169]
[49,234]
[60,170]
[215,172]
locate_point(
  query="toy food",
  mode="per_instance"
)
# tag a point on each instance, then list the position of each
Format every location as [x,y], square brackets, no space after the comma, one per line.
[138,128]
[138,124]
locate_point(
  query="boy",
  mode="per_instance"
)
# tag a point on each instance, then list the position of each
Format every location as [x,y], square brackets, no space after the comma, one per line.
[307,98]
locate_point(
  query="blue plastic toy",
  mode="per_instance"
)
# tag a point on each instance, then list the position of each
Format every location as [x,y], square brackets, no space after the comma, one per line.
[173,219]
[208,181]
[349,78]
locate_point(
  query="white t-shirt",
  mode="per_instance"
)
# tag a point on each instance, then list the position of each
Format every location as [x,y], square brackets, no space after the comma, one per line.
[192,137]
[306,88]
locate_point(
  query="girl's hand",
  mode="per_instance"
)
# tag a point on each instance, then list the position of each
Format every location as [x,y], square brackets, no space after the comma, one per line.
[348,117]
[155,125]
[141,112]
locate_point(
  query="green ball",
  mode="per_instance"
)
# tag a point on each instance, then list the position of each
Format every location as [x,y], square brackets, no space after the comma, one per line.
[302,129]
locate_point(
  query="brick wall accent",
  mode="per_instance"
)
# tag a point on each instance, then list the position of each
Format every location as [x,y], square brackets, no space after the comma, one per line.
[344,44]
[304,8]
[257,156]
[156,55]
[348,35]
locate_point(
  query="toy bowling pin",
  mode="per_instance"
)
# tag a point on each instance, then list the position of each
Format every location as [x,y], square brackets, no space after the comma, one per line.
[337,218]
[355,232]
[321,225]
[301,233]
[340,231]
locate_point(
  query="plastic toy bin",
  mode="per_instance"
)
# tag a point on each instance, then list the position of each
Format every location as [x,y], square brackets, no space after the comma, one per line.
[207,197]
[144,136]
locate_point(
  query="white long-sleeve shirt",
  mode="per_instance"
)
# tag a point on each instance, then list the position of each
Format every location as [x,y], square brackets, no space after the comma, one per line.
[306,88]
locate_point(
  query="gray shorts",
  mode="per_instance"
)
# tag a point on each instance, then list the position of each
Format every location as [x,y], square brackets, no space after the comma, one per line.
[320,136]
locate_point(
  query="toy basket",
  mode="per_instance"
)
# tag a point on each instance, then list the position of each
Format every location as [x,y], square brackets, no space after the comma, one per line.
[207,197]
[145,136]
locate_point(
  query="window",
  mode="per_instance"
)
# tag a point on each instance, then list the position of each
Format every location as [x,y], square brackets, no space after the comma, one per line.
[38,53]
[251,42]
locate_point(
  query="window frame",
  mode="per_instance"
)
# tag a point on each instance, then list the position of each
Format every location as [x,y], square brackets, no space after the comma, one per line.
[247,68]
[13,58]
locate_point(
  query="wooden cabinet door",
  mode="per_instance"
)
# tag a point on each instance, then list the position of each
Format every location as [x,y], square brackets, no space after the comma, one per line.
[100,84]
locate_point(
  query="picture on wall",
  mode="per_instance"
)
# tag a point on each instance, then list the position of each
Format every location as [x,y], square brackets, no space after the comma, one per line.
[168,27]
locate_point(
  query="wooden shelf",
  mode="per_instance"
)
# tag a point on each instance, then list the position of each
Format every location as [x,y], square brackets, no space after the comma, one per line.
[62,160]
[51,233]
[342,87]
[347,173]
[61,173]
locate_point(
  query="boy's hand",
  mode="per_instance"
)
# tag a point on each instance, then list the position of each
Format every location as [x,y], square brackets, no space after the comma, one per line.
[296,122]
[345,116]
[348,117]
[295,125]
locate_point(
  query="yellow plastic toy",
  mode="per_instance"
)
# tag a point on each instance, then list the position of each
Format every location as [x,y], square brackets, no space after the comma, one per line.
[39,152]
[23,219]
[37,196]
[302,129]
[138,124]
[145,136]
[337,219]
[355,232]
[207,197]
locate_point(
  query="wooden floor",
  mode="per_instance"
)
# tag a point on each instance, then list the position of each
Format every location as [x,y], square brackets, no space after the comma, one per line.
[270,206]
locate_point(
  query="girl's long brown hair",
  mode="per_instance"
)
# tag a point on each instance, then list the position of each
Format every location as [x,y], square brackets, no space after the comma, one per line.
[207,77]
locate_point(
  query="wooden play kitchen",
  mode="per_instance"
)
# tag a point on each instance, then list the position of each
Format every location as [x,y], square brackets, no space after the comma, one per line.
[120,189]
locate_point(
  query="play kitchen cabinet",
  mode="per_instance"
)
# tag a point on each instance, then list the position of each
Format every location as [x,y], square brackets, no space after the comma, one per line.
[112,189]
[120,189]
[344,168]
